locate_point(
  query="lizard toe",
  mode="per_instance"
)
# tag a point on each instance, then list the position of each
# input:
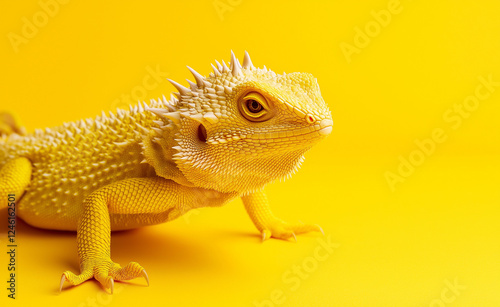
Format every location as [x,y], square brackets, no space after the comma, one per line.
[305,228]
[102,276]
[279,229]
[130,271]
[74,279]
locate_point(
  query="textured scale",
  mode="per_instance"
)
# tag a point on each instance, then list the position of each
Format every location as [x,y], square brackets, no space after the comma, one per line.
[71,161]
[153,163]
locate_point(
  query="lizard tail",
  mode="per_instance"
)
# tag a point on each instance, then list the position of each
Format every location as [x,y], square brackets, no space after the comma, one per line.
[9,125]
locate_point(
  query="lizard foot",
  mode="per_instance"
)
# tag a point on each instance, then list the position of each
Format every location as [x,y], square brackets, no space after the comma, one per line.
[279,229]
[106,272]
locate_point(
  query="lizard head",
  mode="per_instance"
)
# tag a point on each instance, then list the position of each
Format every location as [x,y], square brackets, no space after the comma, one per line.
[242,127]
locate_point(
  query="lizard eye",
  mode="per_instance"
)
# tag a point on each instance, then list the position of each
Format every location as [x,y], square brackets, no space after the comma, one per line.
[255,107]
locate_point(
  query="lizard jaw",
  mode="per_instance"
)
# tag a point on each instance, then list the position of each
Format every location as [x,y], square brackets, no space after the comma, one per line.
[320,129]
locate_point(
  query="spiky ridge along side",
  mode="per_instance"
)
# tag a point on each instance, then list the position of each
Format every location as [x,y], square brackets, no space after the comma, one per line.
[75,159]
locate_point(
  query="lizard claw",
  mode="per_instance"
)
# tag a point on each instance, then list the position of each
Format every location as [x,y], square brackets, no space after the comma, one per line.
[145,275]
[320,229]
[63,279]
[112,285]
[266,234]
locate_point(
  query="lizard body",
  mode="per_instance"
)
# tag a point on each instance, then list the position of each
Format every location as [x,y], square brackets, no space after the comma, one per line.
[226,136]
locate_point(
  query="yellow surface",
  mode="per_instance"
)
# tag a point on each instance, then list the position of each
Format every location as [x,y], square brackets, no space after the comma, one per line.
[396,248]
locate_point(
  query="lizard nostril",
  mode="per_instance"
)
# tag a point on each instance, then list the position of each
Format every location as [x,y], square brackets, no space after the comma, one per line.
[310,119]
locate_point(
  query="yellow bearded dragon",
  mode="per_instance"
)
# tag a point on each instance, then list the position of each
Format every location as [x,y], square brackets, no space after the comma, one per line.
[226,136]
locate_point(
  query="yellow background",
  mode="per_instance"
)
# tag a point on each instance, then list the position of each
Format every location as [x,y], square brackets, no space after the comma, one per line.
[396,248]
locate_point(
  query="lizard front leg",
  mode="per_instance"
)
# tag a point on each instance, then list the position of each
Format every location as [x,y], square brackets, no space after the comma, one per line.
[127,204]
[258,209]
[122,205]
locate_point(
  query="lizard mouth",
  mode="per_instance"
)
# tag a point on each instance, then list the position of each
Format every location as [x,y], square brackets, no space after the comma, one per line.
[312,132]
[319,129]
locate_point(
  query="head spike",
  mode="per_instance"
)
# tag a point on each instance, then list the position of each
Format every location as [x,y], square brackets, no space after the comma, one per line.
[192,85]
[182,90]
[235,65]
[157,111]
[224,67]
[247,62]
[216,71]
[199,78]
[171,104]
[218,65]
[164,100]
[173,116]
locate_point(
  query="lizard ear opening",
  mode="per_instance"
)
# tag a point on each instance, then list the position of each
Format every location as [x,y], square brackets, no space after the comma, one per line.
[202,133]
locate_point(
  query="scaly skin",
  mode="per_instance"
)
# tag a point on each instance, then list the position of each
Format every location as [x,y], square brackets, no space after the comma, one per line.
[226,136]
